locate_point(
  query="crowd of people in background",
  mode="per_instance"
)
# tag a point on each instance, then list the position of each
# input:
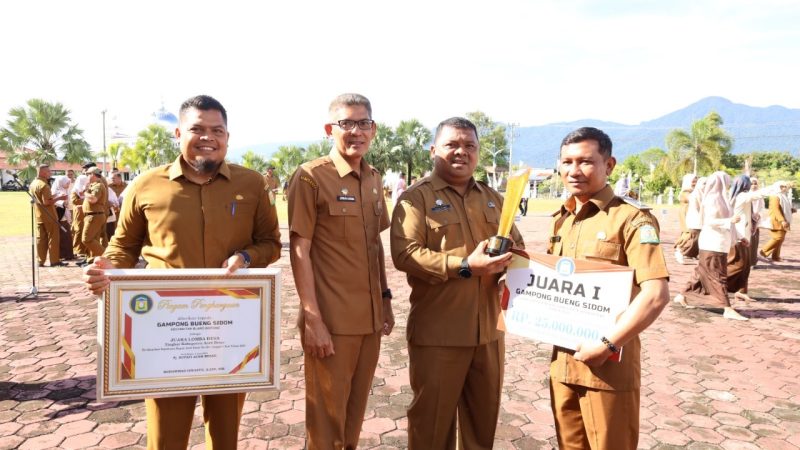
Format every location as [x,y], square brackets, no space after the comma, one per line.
[719,221]
[75,215]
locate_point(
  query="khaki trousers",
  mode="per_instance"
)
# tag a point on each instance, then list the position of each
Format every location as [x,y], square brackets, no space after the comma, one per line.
[337,389]
[77,234]
[773,247]
[169,421]
[594,419]
[93,226]
[47,240]
[450,383]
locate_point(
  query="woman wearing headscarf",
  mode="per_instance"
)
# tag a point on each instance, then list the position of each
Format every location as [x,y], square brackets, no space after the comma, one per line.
[76,200]
[61,188]
[741,198]
[757,207]
[711,274]
[780,221]
[685,242]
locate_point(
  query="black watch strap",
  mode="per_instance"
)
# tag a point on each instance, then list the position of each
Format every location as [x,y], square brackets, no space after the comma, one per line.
[464,271]
[387,294]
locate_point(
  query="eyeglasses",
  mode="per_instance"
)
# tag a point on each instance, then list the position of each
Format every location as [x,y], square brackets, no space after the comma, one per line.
[347,124]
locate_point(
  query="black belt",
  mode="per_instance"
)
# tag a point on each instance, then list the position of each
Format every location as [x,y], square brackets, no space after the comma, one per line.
[93,213]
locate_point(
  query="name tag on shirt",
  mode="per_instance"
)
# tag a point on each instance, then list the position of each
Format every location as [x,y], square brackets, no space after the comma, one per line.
[346,198]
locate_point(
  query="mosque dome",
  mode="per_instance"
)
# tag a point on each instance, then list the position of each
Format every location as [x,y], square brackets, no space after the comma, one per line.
[165,118]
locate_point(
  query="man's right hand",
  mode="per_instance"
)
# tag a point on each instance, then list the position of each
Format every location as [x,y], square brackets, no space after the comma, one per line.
[482,264]
[316,338]
[94,276]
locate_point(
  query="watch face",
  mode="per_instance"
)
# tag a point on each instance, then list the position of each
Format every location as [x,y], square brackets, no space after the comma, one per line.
[464,273]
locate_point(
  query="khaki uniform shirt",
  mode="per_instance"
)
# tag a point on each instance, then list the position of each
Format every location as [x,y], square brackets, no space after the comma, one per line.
[607,229]
[271,181]
[433,229]
[342,214]
[175,223]
[40,189]
[100,191]
[776,216]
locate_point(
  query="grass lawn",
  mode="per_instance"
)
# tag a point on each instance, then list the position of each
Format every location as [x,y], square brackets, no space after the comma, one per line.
[15,214]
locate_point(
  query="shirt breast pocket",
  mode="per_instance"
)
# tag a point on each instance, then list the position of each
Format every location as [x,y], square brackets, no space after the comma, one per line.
[603,251]
[444,232]
[343,222]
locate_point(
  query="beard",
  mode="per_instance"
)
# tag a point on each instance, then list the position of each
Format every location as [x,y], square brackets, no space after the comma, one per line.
[205,166]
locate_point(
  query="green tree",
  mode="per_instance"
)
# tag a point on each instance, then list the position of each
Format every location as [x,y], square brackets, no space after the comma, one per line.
[318,149]
[410,153]
[494,145]
[287,159]
[154,147]
[253,160]
[114,152]
[383,151]
[702,148]
[39,133]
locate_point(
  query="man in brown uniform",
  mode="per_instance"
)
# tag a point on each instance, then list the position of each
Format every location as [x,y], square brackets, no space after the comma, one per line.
[95,206]
[596,402]
[197,212]
[336,212]
[440,228]
[271,180]
[47,235]
[117,186]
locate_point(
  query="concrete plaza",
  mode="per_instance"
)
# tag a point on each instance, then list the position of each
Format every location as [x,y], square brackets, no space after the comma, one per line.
[708,383]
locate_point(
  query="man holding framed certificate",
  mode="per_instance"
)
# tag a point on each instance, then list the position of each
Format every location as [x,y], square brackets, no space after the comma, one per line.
[595,401]
[196,212]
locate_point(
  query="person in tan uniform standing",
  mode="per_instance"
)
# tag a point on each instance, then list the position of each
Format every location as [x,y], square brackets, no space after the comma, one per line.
[595,401]
[780,221]
[47,234]
[271,180]
[95,206]
[196,212]
[336,213]
[440,229]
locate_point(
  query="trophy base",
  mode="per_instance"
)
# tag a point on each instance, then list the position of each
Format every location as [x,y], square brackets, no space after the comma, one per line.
[498,245]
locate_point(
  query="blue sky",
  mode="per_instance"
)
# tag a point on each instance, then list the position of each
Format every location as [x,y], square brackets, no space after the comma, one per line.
[276,66]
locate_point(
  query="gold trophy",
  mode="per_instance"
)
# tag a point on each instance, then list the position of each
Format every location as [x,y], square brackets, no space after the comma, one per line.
[501,243]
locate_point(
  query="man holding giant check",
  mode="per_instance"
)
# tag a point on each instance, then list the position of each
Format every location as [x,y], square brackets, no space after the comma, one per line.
[594,390]
[196,212]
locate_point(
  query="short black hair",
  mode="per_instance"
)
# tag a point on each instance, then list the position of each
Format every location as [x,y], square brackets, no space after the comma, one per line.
[455,122]
[88,165]
[589,134]
[204,103]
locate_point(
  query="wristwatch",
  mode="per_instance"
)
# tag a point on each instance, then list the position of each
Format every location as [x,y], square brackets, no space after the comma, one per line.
[246,257]
[464,271]
[387,294]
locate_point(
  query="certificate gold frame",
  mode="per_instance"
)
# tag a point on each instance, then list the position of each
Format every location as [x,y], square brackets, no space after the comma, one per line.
[181,332]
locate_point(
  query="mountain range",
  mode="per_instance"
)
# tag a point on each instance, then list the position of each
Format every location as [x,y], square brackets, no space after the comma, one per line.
[753,129]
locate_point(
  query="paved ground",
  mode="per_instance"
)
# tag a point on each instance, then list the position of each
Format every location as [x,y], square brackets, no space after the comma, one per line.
[708,382]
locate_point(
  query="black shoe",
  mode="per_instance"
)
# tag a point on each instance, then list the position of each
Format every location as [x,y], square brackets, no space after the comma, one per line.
[59,264]
[80,262]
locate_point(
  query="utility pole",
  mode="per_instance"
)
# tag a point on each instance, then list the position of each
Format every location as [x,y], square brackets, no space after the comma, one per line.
[105,152]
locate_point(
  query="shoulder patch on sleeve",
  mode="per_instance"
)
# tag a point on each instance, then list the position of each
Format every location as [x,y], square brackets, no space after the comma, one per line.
[635,203]
[648,235]
[406,202]
[642,220]
[309,180]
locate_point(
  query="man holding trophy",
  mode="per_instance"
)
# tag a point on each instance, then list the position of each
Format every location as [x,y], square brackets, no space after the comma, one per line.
[595,400]
[439,236]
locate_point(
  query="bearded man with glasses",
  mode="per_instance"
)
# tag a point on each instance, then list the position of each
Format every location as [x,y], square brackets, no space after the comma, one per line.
[336,214]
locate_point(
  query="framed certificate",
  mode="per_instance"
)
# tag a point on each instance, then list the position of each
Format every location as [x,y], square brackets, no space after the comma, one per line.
[177,332]
[564,301]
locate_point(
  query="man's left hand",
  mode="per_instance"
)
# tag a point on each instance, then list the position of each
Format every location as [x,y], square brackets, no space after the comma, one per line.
[236,261]
[591,354]
[388,317]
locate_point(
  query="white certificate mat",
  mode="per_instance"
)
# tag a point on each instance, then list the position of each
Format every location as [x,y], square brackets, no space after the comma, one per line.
[564,301]
[178,332]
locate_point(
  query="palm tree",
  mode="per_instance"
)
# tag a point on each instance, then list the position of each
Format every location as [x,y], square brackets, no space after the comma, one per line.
[410,152]
[700,148]
[114,152]
[41,133]
[154,147]
[252,160]
[381,154]
[318,149]
[287,159]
